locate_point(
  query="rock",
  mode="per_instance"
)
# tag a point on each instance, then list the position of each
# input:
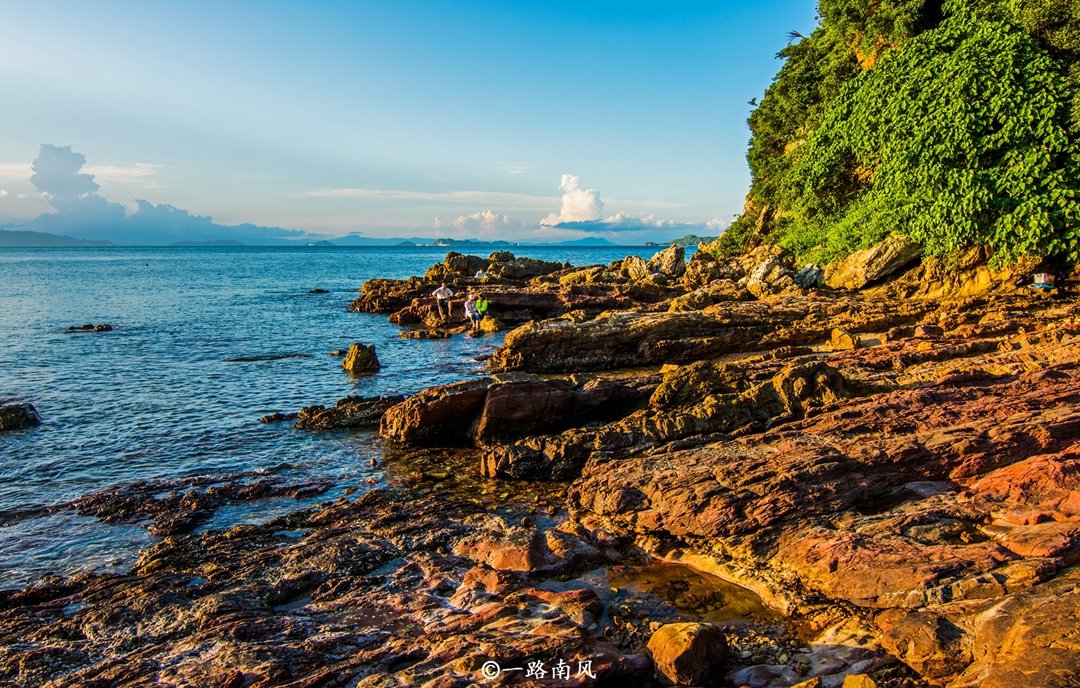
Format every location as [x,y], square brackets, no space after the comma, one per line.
[361,359]
[866,266]
[669,262]
[694,301]
[501,257]
[928,331]
[339,352]
[810,276]
[812,683]
[520,408]
[859,681]
[103,328]
[318,291]
[928,642]
[615,340]
[490,324]
[348,413]
[18,417]
[842,340]
[635,267]
[425,334]
[769,277]
[279,417]
[437,414]
[688,654]
[89,327]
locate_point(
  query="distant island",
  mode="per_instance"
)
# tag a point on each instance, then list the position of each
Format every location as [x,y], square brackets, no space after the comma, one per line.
[28,239]
[688,240]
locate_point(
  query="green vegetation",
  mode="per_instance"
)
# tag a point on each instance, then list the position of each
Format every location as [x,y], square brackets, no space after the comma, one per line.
[956,123]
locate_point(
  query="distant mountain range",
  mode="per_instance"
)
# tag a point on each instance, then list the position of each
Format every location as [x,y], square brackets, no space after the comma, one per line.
[23,238]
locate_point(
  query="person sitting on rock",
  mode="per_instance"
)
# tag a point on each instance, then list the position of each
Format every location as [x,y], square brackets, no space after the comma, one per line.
[481,273]
[481,307]
[443,294]
[471,314]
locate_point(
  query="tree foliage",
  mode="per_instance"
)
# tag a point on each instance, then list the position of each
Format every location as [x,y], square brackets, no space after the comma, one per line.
[952,122]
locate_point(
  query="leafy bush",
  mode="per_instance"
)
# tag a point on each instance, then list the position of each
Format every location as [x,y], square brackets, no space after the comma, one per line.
[962,133]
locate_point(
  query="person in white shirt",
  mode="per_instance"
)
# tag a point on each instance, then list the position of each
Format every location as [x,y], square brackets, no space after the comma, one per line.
[471,314]
[443,294]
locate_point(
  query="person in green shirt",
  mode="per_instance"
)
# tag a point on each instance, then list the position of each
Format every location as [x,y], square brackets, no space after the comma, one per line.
[481,306]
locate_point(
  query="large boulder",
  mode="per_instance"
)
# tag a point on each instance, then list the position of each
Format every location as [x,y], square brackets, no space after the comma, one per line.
[361,359]
[517,408]
[866,266]
[688,654]
[670,262]
[18,416]
[441,414]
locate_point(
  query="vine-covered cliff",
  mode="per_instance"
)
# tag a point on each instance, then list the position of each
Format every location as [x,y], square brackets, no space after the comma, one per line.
[956,123]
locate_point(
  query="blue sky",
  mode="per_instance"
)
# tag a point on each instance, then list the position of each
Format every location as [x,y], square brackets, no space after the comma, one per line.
[500,119]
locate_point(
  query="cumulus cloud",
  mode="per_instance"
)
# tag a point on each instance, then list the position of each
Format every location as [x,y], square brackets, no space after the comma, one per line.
[625,222]
[486,221]
[3,193]
[578,205]
[60,176]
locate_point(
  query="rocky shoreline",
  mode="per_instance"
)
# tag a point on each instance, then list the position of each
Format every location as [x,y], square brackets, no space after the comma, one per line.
[721,471]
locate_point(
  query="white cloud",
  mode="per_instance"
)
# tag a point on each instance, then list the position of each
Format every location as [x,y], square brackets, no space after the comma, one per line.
[15,171]
[578,205]
[515,168]
[3,192]
[139,173]
[716,224]
[484,221]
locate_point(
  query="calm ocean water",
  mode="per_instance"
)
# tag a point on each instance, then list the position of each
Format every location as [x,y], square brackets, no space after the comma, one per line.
[157,398]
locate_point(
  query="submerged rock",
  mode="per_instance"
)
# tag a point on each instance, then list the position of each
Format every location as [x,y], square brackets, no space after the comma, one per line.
[361,359]
[348,413]
[18,417]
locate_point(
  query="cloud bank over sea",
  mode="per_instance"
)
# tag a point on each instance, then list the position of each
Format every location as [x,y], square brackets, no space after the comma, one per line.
[58,174]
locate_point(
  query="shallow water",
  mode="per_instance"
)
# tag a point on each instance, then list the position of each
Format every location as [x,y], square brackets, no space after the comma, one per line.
[162,397]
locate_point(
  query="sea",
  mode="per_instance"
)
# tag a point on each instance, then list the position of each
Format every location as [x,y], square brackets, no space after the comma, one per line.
[205,341]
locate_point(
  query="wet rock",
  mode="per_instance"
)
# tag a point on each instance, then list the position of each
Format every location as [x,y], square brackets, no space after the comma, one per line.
[490,324]
[89,327]
[278,417]
[863,267]
[318,291]
[18,417]
[688,654]
[361,359]
[348,413]
[425,334]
